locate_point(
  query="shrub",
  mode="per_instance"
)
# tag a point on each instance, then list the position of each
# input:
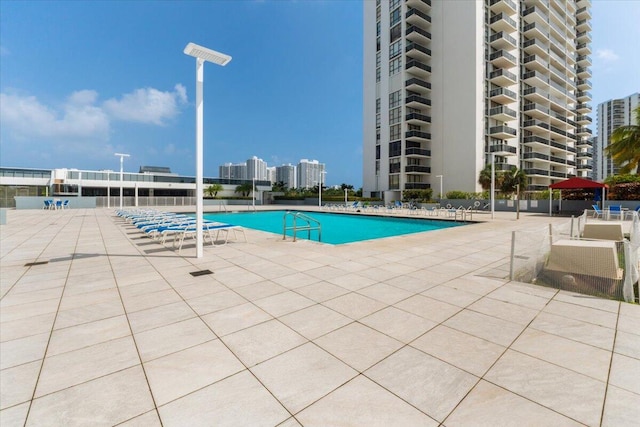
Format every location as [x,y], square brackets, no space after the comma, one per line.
[625,191]
[420,196]
[455,194]
[622,179]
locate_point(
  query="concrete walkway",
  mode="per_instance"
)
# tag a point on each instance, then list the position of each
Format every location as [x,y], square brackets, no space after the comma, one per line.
[112,329]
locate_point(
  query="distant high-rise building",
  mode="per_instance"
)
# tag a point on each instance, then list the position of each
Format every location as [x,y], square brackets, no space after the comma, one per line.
[450,85]
[287,175]
[233,171]
[309,173]
[612,115]
[256,168]
[271,174]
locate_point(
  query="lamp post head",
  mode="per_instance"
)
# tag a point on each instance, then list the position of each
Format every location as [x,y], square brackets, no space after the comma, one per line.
[207,54]
[122,155]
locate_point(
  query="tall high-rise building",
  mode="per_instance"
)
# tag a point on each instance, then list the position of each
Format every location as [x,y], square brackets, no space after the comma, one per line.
[256,168]
[612,115]
[310,173]
[451,85]
[287,175]
[233,171]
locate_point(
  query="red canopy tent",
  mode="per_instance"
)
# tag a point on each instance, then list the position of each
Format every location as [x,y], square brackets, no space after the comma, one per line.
[573,184]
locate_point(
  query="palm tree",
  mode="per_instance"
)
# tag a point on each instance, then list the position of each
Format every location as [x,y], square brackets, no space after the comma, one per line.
[485,178]
[624,147]
[213,189]
[244,189]
[513,180]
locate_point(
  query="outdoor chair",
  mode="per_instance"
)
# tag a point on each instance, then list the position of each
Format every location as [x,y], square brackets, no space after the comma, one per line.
[597,213]
[615,210]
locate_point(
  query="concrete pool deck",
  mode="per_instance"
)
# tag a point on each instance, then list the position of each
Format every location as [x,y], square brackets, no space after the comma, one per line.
[413,330]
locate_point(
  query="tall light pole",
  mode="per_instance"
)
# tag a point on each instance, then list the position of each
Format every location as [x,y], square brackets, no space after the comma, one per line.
[202,54]
[493,184]
[108,189]
[253,193]
[122,156]
[320,189]
[440,176]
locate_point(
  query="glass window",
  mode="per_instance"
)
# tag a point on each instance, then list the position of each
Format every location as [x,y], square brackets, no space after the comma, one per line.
[395,149]
[396,32]
[394,182]
[393,4]
[378,61]
[394,132]
[378,74]
[394,99]
[395,65]
[394,116]
[394,165]
[394,17]
[395,49]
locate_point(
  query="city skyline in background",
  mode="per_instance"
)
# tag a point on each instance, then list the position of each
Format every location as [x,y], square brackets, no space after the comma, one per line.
[112,79]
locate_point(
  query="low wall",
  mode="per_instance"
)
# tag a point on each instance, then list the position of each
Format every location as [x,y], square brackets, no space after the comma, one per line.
[34,202]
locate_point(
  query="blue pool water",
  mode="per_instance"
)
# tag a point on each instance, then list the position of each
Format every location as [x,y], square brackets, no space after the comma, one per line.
[336,228]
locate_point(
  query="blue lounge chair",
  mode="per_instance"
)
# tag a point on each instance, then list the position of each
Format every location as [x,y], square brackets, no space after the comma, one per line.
[47,204]
[597,213]
[65,204]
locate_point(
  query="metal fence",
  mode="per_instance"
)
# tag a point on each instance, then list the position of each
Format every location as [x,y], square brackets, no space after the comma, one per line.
[585,254]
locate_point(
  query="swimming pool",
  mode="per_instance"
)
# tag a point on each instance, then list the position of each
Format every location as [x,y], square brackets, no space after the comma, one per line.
[336,228]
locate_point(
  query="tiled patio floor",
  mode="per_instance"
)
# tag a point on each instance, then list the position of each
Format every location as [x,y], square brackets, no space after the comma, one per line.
[407,331]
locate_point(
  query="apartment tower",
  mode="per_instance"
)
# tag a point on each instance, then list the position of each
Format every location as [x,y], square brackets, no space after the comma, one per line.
[612,115]
[451,85]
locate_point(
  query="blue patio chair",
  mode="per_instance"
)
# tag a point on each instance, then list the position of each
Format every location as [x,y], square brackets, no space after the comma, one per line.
[65,204]
[58,204]
[47,204]
[615,210]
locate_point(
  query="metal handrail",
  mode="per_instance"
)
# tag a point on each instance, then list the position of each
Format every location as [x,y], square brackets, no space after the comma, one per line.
[308,227]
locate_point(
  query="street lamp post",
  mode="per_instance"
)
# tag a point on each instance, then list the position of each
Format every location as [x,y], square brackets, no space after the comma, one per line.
[122,156]
[493,184]
[202,54]
[253,193]
[108,190]
[345,197]
[320,189]
[440,176]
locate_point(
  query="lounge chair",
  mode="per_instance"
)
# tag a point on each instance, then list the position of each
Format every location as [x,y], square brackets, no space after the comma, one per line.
[65,204]
[597,213]
[48,204]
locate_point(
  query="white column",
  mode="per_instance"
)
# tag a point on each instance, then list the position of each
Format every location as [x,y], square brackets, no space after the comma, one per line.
[493,184]
[199,149]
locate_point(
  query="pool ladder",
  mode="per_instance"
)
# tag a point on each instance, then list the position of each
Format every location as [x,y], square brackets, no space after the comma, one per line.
[308,224]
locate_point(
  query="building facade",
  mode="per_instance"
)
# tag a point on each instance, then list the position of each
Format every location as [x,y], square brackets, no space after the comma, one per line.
[233,171]
[256,168]
[287,175]
[450,86]
[612,114]
[310,173]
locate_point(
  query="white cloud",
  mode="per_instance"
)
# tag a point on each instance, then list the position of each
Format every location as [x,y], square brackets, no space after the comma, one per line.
[27,117]
[607,55]
[148,105]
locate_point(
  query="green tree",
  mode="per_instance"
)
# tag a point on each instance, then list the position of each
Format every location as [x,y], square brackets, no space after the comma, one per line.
[484,179]
[279,186]
[213,189]
[244,189]
[624,147]
[511,180]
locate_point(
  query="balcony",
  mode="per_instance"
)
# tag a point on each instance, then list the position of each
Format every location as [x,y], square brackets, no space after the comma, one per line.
[535,156]
[561,160]
[502,40]
[584,48]
[584,132]
[584,84]
[583,13]
[583,108]
[584,143]
[503,59]
[583,25]
[536,62]
[535,30]
[503,6]
[502,132]
[535,78]
[416,101]
[557,174]
[584,61]
[502,22]
[417,169]
[502,149]
[537,111]
[502,113]
[417,152]
[535,125]
[585,166]
[416,135]
[417,68]
[583,72]
[502,96]
[421,5]
[535,15]
[535,94]
[585,154]
[535,47]
[418,35]
[417,51]
[416,186]
[536,141]
[417,119]
[502,77]
[583,36]
[536,172]
[583,96]
[417,85]
[417,17]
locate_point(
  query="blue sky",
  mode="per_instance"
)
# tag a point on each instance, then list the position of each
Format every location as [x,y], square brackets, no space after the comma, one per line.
[82,80]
